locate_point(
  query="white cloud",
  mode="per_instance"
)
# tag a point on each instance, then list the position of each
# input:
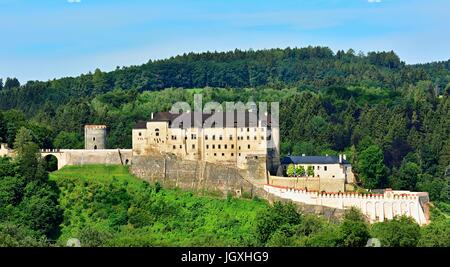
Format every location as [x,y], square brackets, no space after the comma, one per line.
[74,1]
[374,1]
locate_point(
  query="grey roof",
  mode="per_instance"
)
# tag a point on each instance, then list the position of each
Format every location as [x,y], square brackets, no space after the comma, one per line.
[140,125]
[312,160]
[216,119]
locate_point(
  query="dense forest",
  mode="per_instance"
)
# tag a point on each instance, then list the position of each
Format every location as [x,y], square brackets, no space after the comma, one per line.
[391,119]
[106,206]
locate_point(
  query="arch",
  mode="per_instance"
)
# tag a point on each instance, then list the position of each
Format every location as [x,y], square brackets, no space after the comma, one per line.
[379,211]
[95,147]
[404,208]
[388,212]
[413,210]
[370,211]
[51,163]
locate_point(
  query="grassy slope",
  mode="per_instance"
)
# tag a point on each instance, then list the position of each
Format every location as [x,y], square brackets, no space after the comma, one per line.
[129,212]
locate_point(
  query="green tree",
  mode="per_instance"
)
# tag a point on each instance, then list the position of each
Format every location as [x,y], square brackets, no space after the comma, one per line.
[3,128]
[436,234]
[11,83]
[290,171]
[300,170]
[279,216]
[407,177]
[370,166]
[67,140]
[310,171]
[354,229]
[400,232]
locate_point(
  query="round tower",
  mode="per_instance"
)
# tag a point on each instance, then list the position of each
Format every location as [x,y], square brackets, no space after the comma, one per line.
[95,136]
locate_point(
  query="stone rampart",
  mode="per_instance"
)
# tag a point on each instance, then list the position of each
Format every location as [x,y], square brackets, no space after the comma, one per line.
[377,207]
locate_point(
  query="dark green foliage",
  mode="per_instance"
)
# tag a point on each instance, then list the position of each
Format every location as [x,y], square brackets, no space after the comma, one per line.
[280,217]
[354,230]
[11,83]
[400,232]
[370,166]
[391,119]
[27,197]
[68,140]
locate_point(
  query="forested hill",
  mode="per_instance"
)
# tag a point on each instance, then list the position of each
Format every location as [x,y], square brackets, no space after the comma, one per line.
[312,68]
[391,119]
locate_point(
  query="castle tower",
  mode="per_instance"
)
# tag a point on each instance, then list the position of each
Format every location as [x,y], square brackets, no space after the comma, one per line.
[95,136]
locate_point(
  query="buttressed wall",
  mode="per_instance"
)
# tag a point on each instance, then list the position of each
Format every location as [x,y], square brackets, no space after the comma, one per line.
[173,172]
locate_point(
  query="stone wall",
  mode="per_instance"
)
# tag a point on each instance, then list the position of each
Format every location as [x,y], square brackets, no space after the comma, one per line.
[203,176]
[84,157]
[309,183]
[377,207]
[193,175]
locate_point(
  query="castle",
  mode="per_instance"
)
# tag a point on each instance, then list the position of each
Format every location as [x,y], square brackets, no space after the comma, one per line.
[230,138]
[237,152]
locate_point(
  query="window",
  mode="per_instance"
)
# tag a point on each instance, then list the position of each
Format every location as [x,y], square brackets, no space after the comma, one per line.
[206,137]
[218,146]
[248,129]
[262,137]
[220,137]
[318,167]
[223,154]
[239,148]
[225,146]
[239,154]
[140,134]
[214,137]
[325,168]
[93,138]
[95,147]
[193,146]
[248,146]
[232,154]
[255,137]
[174,147]
[232,146]
[248,137]
[174,137]
[214,146]
[157,132]
[193,136]
[207,146]
[215,154]
[231,137]
[181,146]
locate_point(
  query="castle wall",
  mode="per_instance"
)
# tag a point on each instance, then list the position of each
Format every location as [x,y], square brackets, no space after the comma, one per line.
[377,207]
[85,157]
[193,175]
[309,183]
[200,176]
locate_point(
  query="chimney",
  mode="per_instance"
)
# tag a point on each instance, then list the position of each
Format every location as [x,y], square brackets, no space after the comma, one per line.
[152,116]
[340,158]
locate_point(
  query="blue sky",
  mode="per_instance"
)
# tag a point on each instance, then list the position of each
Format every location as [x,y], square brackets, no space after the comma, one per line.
[48,39]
